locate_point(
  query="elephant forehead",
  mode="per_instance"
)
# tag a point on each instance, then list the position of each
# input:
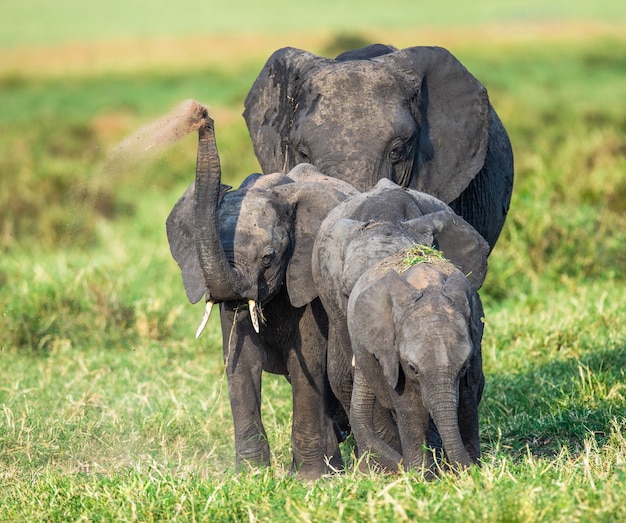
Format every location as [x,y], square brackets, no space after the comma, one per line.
[393,205]
[356,75]
[429,277]
[353,90]
[256,223]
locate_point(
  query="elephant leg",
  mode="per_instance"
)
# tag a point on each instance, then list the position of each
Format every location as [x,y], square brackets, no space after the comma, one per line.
[468,425]
[386,426]
[340,373]
[434,440]
[469,398]
[243,361]
[314,443]
[362,415]
[413,425]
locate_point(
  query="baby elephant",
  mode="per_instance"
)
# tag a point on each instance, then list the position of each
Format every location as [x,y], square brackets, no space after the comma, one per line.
[416,336]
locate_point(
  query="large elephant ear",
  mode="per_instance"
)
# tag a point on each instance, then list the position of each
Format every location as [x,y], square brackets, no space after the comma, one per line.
[270,105]
[454,114]
[179,227]
[371,321]
[310,202]
[457,240]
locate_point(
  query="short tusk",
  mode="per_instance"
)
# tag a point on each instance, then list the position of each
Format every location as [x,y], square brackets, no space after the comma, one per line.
[205,318]
[353,360]
[254,315]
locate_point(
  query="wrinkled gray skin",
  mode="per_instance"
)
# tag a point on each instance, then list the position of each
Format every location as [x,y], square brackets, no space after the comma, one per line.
[415,116]
[254,243]
[354,239]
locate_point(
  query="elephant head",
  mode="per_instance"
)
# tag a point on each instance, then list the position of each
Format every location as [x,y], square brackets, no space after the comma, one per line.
[244,244]
[415,116]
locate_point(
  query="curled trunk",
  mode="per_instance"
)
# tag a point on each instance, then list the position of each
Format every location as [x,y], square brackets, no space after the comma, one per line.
[219,277]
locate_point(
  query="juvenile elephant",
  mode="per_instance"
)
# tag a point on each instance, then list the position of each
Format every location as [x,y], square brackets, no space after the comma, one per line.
[416,336]
[415,116]
[253,246]
[357,242]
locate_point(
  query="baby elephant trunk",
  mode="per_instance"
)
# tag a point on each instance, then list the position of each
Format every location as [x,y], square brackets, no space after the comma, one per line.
[442,403]
[219,277]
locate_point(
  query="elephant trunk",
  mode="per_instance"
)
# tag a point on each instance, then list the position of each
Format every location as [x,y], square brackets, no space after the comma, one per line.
[362,411]
[219,277]
[442,404]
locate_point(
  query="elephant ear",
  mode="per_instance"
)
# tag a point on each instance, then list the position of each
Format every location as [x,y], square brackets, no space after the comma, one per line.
[371,319]
[179,227]
[311,202]
[428,203]
[365,53]
[457,240]
[454,117]
[271,102]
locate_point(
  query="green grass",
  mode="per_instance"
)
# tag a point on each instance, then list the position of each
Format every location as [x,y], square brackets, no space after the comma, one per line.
[110,410]
[421,254]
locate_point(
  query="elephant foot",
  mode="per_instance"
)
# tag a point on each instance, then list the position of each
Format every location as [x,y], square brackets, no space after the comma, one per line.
[311,472]
[253,459]
[251,465]
[319,464]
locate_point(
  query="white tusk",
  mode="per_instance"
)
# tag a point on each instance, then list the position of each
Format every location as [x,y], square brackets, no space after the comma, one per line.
[205,318]
[353,360]
[254,315]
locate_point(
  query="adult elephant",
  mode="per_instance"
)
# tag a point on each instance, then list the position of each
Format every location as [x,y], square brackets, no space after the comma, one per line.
[252,246]
[415,116]
[360,233]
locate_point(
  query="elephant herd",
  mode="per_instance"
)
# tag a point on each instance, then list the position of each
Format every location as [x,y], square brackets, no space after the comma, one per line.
[352,266]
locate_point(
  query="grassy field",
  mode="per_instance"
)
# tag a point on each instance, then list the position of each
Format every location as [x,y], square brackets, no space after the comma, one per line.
[110,410]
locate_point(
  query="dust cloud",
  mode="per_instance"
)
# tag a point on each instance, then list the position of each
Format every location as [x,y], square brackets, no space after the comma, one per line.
[155,136]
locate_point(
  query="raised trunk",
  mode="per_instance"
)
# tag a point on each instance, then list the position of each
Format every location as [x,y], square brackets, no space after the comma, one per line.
[219,277]
[443,406]
[362,411]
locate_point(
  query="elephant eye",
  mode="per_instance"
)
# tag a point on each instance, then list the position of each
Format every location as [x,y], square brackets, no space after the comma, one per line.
[304,156]
[397,150]
[268,257]
[413,369]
